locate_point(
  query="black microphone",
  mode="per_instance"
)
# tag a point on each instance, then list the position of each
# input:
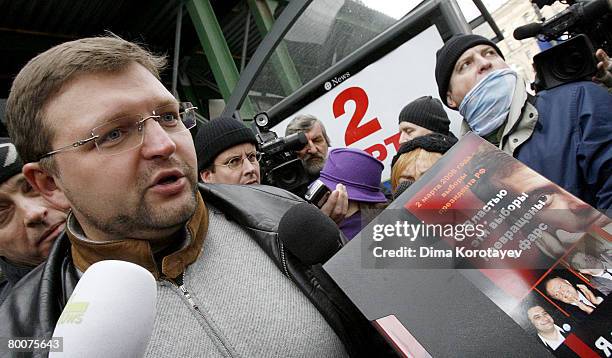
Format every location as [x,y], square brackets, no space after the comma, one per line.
[308,234]
[527,31]
[401,188]
[579,13]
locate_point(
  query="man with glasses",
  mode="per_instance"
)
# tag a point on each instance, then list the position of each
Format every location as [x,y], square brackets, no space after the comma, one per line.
[99,133]
[227,152]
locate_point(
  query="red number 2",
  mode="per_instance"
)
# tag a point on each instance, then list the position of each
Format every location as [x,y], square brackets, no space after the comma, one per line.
[354,131]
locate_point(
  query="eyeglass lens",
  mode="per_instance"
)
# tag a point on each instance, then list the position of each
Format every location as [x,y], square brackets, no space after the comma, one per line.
[237,162]
[127,132]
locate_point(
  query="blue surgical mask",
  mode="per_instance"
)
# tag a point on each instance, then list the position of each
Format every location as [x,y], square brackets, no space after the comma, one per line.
[486,106]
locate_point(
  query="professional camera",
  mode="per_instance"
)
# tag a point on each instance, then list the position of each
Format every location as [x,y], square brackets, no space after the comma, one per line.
[279,163]
[588,24]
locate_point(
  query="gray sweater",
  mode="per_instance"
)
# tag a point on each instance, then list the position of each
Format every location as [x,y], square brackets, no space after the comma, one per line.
[245,306]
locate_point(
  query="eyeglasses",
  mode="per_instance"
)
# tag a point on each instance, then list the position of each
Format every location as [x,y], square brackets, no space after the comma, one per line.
[237,162]
[126,133]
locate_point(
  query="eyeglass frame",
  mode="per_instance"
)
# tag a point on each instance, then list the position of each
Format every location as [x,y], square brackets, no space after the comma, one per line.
[139,123]
[258,156]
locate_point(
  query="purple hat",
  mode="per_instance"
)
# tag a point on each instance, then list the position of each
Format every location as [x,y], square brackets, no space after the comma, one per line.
[357,170]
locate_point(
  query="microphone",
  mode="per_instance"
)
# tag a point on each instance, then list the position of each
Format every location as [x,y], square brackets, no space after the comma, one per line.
[308,234]
[401,188]
[578,13]
[110,313]
[527,31]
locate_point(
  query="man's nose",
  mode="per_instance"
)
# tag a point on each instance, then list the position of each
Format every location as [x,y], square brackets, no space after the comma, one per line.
[247,166]
[576,205]
[484,64]
[157,143]
[311,148]
[34,213]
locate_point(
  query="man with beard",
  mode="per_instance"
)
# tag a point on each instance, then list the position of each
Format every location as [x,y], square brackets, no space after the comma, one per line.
[28,223]
[314,154]
[562,133]
[99,133]
[313,157]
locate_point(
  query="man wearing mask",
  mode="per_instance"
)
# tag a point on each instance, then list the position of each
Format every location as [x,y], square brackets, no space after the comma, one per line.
[563,133]
[28,223]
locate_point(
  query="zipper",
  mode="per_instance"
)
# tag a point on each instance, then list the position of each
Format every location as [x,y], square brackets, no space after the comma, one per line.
[284,260]
[187,296]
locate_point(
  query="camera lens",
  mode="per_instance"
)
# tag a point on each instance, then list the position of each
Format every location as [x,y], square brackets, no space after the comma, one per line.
[569,66]
[288,178]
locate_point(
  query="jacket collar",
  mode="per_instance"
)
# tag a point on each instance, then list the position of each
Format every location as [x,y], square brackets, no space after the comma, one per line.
[13,272]
[86,252]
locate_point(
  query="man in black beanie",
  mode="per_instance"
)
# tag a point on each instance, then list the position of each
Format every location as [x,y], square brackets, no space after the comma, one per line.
[28,223]
[422,116]
[563,133]
[227,153]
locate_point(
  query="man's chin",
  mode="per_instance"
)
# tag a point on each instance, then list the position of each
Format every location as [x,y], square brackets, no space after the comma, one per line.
[172,212]
[313,168]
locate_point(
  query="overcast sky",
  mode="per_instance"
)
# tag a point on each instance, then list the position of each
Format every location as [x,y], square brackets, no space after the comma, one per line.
[397,8]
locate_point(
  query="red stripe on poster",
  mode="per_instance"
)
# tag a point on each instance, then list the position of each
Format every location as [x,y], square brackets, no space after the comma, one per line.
[579,347]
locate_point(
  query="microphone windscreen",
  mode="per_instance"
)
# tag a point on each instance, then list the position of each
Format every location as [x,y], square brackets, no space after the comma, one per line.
[527,31]
[402,188]
[110,313]
[309,234]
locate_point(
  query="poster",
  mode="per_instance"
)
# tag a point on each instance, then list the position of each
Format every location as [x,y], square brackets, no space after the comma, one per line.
[361,109]
[541,255]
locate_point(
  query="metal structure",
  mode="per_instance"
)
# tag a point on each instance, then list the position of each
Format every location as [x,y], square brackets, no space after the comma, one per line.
[215,46]
[444,14]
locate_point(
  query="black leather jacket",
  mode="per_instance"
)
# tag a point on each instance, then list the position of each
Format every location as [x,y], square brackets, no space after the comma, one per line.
[10,274]
[36,302]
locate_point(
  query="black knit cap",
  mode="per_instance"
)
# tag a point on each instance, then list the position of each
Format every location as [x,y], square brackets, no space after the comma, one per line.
[10,162]
[428,113]
[218,135]
[447,57]
[433,142]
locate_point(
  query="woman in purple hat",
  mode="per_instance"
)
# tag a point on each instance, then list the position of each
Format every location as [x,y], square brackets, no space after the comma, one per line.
[360,173]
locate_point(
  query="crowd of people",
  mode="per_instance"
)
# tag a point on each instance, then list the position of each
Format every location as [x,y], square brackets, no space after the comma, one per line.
[101,165]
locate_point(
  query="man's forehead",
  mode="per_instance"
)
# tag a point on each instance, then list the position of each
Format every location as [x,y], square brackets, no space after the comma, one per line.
[237,150]
[409,125]
[92,98]
[525,179]
[473,50]
[13,184]
[535,310]
[315,130]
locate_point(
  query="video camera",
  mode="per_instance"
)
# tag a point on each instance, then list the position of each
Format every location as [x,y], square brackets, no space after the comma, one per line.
[279,163]
[587,23]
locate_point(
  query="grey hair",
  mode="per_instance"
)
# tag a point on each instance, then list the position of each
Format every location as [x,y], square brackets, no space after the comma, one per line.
[304,123]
